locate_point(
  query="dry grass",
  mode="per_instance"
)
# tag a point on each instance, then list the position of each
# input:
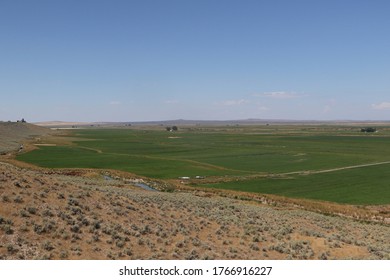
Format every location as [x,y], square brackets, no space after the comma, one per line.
[367,213]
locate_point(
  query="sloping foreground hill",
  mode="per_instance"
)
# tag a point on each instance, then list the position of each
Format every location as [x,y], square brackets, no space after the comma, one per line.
[69,215]
[12,134]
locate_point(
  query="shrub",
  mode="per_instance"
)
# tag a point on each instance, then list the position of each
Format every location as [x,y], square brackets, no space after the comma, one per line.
[120,244]
[64,255]
[47,245]
[11,249]
[24,213]
[75,229]
[254,247]
[39,229]
[7,229]
[18,199]
[32,210]
[47,213]
[95,238]
[323,256]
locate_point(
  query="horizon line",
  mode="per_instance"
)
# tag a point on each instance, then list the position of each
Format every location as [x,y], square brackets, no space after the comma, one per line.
[249,120]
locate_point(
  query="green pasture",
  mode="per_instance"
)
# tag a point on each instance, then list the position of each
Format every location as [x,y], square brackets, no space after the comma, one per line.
[239,153]
[365,185]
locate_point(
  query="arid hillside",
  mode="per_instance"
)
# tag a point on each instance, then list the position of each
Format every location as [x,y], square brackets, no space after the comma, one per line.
[13,133]
[79,214]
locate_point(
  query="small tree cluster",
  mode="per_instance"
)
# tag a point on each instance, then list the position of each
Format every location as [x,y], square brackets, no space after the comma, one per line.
[173,128]
[368,129]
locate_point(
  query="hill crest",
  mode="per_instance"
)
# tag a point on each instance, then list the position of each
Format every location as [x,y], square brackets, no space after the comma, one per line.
[13,133]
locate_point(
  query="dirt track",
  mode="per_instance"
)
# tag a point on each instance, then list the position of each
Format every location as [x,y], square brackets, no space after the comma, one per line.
[335,169]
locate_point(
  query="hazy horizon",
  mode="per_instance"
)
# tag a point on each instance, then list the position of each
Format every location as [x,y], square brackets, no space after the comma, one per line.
[129,61]
[216,120]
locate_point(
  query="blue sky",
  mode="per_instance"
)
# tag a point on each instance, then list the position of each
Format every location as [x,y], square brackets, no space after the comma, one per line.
[138,60]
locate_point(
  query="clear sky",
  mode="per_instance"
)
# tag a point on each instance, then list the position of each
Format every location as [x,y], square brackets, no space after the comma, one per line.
[138,60]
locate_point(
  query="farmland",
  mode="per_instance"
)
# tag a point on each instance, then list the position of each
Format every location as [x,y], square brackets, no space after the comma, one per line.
[323,162]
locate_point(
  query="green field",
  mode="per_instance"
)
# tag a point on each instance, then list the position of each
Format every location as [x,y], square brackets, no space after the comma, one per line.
[241,155]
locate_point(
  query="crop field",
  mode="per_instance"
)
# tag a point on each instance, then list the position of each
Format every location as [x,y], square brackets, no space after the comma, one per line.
[332,163]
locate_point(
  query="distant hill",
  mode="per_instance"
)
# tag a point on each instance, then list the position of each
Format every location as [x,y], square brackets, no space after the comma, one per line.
[13,133]
[60,124]
[182,122]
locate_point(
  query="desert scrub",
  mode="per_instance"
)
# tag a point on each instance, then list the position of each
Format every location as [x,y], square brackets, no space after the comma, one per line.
[378,252]
[146,230]
[95,225]
[11,248]
[108,230]
[74,210]
[43,194]
[196,242]
[95,238]
[76,250]
[18,199]
[73,202]
[120,243]
[47,227]
[85,221]
[281,248]
[64,254]
[258,238]
[300,250]
[75,229]
[61,196]
[314,233]
[7,229]
[128,252]
[24,227]
[32,210]
[193,255]
[23,213]
[324,256]
[47,245]
[47,213]
[254,247]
